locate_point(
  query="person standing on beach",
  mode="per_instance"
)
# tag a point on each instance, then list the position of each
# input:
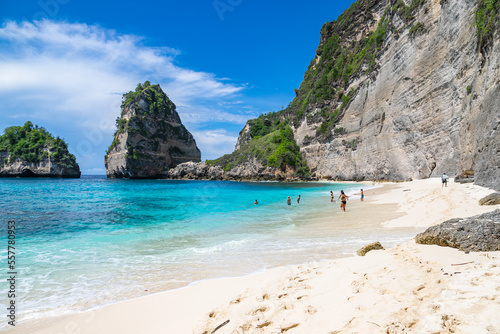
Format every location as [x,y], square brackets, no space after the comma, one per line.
[444,180]
[289,201]
[362,195]
[298,199]
[343,200]
[331,196]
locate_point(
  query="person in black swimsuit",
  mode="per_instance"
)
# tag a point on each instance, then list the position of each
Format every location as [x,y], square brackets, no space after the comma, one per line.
[343,200]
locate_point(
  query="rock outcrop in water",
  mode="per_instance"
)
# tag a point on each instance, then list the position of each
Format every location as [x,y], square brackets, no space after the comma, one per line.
[150,138]
[30,151]
[397,90]
[478,234]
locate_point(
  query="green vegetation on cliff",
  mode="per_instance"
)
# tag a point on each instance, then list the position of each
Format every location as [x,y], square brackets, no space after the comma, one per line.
[33,144]
[158,103]
[271,143]
[487,19]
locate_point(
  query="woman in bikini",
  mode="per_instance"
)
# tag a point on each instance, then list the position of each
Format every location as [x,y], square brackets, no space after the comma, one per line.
[343,200]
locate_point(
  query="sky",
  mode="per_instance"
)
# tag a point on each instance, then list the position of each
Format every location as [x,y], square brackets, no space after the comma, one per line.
[64,64]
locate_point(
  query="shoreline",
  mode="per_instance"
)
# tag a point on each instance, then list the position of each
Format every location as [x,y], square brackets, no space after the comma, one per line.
[107,318]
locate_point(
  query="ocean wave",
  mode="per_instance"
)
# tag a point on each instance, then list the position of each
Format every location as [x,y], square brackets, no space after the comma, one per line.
[218,248]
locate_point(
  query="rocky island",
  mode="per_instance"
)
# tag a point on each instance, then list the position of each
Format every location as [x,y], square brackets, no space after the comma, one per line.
[31,151]
[150,138]
[396,90]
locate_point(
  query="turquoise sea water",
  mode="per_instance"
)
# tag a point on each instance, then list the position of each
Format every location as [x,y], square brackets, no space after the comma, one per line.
[86,242]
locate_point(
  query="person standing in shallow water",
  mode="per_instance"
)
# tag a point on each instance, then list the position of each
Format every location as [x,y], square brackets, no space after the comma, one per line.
[362,195]
[255,202]
[298,199]
[343,200]
[331,196]
[289,201]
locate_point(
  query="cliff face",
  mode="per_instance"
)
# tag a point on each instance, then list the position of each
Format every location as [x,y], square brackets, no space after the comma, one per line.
[431,106]
[150,138]
[30,151]
[399,91]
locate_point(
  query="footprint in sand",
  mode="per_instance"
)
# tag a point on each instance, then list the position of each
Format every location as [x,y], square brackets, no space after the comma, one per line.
[264,324]
[237,300]
[259,310]
[287,328]
[311,309]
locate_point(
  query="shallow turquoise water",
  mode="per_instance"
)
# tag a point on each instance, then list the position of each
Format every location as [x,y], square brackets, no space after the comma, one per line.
[86,242]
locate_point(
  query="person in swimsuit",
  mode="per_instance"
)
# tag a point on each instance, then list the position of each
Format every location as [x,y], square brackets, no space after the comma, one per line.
[255,202]
[289,201]
[362,195]
[343,200]
[298,200]
[331,196]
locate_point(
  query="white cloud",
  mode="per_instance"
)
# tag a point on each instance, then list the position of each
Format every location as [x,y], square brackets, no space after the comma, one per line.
[79,64]
[212,142]
[74,74]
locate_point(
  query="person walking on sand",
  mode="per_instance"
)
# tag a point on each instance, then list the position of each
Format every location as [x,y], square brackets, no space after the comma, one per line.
[343,200]
[298,199]
[289,201]
[362,195]
[444,180]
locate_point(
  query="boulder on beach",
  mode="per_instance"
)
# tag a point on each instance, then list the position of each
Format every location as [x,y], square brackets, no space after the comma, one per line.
[492,199]
[480,233]
[373,246]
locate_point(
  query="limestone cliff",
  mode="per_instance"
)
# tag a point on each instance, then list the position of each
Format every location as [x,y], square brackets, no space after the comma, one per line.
[150,138]
[427,102]
[30,151]
[399,90]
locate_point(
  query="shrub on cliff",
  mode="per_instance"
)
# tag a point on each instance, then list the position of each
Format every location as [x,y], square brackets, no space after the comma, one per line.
[32,143]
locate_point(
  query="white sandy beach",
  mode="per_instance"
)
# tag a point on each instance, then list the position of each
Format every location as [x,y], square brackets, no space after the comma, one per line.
[407,289]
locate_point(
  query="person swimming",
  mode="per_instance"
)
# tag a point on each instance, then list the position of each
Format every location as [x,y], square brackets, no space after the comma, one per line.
[255,202]
[343,200]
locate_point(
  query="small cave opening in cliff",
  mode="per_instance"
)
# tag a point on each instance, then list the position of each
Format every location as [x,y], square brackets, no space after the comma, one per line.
[27,173]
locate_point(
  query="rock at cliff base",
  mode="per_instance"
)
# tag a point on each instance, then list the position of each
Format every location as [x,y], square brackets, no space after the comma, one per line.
[491,199]
[150,138]
[373,246]
[477,234]
[465,177]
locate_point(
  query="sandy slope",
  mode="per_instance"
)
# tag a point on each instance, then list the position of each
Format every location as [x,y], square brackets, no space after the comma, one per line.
[408,289]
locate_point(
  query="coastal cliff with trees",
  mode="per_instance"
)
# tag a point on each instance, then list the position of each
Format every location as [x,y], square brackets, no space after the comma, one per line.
[396,90]
[150,137]
[30,151]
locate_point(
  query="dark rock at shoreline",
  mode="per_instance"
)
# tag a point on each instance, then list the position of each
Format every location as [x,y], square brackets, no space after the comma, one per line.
[373,246]
[492,199]
[480,233]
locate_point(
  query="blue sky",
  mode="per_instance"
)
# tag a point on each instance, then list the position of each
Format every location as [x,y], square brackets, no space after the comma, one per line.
[64,64]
